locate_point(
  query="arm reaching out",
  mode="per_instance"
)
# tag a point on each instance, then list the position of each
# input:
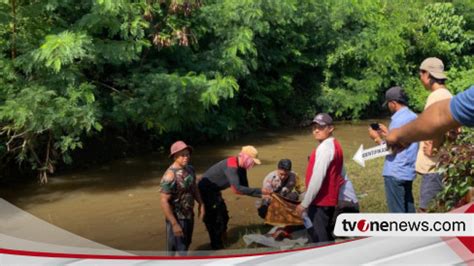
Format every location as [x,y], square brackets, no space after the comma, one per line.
[433,123]
[238,188]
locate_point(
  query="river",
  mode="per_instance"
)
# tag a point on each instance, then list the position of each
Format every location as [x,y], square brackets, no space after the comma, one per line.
[117,204]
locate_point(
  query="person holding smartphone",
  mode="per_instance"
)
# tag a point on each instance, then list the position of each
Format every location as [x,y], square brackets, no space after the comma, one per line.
[399,169]
[435,121]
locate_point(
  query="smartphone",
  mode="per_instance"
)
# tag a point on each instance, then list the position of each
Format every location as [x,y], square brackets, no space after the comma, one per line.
[375,126]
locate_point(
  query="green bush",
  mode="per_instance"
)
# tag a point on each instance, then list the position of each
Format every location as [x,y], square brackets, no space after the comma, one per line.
[457,166]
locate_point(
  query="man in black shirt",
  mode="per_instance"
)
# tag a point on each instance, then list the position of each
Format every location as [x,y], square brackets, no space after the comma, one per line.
[230,172]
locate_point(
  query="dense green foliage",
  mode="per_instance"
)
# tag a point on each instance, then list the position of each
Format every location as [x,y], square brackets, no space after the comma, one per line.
[457,165]
[209,69]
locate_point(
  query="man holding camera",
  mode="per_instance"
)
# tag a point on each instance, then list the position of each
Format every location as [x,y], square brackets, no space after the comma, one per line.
[399,169]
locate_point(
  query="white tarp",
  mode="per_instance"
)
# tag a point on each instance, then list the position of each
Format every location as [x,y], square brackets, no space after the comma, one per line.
[298,238]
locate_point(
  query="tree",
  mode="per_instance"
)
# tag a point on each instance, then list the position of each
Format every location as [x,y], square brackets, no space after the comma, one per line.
[208,69]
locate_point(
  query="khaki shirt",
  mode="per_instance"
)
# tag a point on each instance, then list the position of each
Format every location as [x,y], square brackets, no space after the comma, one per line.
[425,164]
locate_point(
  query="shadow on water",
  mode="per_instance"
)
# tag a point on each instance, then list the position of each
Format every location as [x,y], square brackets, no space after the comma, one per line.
[136,172]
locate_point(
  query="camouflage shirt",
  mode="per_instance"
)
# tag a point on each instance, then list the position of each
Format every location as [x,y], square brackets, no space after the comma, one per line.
[181,187]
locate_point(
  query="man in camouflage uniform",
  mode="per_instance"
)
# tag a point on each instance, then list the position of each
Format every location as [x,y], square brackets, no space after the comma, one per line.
[178,192]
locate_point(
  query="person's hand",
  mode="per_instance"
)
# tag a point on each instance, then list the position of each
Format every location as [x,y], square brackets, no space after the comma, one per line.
[393,141]
[300,209]
[266,191]
[375,135]
[201,212]
[177,230]
[383,130]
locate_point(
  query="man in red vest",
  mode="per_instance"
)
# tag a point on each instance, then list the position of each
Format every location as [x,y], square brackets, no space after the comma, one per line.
[324,177]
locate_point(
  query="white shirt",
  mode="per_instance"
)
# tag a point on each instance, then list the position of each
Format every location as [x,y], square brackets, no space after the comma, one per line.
[347,192]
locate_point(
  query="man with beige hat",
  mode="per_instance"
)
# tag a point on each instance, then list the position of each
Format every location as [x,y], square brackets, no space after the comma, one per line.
[433,78]
[230,172]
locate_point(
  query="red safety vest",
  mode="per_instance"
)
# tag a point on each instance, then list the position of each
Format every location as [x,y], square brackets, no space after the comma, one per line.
[329,192]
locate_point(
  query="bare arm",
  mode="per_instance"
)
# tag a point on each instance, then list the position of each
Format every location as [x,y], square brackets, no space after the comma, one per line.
[165,197]
[166,207]
[433,123]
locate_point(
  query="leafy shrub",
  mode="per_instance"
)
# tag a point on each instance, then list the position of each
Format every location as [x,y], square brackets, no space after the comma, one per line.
[457,166]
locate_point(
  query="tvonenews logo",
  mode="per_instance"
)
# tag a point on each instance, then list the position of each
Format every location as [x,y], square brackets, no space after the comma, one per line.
[405,224]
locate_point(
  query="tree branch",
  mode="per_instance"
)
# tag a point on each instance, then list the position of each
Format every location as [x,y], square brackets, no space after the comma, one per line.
[110,87]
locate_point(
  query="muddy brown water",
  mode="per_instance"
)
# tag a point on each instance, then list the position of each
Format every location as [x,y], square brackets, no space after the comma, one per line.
[117,204]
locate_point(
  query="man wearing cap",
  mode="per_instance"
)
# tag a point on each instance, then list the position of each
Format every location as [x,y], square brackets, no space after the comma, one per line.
[324,178]
[399,169]
[433,78]
[178,192]
[230,172]
[436,120]
[282,181]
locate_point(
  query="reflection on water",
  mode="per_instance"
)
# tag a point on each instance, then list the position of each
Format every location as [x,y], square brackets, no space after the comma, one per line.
[118,204]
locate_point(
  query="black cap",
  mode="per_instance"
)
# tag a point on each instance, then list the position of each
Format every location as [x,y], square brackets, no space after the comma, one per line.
[322,119]
[284,164]
[395,94]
